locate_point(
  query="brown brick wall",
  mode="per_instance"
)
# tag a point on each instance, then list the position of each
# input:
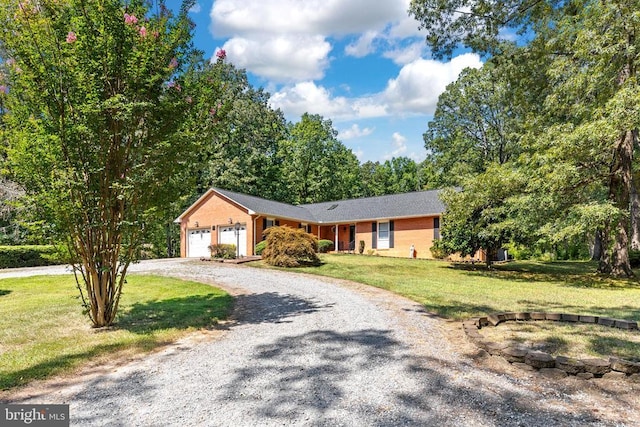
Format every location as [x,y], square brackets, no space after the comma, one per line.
[214,211]
[407,232]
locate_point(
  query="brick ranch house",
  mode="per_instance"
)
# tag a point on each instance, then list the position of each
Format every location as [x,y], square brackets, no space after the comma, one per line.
[390,224]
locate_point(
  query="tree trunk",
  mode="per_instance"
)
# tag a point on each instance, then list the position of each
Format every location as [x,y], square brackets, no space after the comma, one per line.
[635,214]
[597,249]
[616,259]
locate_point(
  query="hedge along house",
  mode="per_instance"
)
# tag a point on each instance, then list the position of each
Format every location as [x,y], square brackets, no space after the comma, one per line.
[389,225]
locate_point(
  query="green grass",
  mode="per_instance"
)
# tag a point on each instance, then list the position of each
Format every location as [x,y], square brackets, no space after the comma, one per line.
[43,331]
[568,339]
[463,291]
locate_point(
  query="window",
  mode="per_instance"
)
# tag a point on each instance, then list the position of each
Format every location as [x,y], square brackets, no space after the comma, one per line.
[383,235]
[436,228]
[270,222]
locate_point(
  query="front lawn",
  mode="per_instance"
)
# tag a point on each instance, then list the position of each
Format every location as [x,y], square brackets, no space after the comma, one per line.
[457,292]
[463,291]
[43,331]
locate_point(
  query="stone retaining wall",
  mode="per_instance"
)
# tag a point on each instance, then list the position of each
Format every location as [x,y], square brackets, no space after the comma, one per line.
[559,366]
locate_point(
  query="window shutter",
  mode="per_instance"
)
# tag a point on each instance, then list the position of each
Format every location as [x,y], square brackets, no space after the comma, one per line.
[277,223]
[374,235]
[264,227]
[436,228]
[390,234]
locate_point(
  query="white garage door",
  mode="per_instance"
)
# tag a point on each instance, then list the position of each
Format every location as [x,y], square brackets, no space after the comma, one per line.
[228,235]
[198,246]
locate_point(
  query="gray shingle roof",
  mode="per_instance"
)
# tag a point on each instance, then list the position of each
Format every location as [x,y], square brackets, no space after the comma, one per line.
[406,205]
[268,207]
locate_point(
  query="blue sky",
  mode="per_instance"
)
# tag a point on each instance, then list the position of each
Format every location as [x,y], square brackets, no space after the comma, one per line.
[361,63]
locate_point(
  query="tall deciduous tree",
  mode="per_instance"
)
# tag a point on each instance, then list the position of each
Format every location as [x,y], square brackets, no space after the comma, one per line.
[584,140]
[475,125]
[242,152]
[316,167]
[397,175]
[95,109]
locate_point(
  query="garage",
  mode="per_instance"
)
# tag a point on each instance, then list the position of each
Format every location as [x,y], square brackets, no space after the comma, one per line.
[198,246]
[228,236]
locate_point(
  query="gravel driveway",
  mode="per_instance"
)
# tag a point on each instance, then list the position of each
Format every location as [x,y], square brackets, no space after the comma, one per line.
[311,351]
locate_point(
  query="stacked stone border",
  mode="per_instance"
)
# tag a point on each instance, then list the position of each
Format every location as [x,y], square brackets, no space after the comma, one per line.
[559,366]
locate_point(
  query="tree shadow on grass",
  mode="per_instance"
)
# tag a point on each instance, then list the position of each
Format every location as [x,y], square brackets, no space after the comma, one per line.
[325,377]
[197,311]
[61,363]
[457,310]
[577,274]
[4,292]
[623,312]
[624,349]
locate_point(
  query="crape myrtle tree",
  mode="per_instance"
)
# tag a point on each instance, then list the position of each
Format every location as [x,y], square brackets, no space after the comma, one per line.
[583,139]
[95,121]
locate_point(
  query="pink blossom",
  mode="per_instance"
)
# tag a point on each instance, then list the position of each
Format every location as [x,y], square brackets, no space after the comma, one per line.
[189,100]
[212,111]
[130,19]
[11,62]
[221,54]
[4,89]
[175,86]
[156,34]
[71,37]
[143,32]
[173,64]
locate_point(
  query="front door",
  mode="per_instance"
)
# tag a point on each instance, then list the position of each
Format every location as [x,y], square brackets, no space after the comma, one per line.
[352,237]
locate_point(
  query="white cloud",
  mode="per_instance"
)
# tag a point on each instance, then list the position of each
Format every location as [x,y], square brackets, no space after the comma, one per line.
[196,8]
[414,91]
[363,46]
[281,58]
[420,83]
[307,97]
[400,143]
[407,54]
[338,17]
[301,29]
[355,132]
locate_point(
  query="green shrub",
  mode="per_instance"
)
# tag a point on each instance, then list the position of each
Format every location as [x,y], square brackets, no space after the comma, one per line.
[438,251]
[325,246]
[31,256]
[634,258]
[361,247]
[289,247]
[223,251]
[260,247]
